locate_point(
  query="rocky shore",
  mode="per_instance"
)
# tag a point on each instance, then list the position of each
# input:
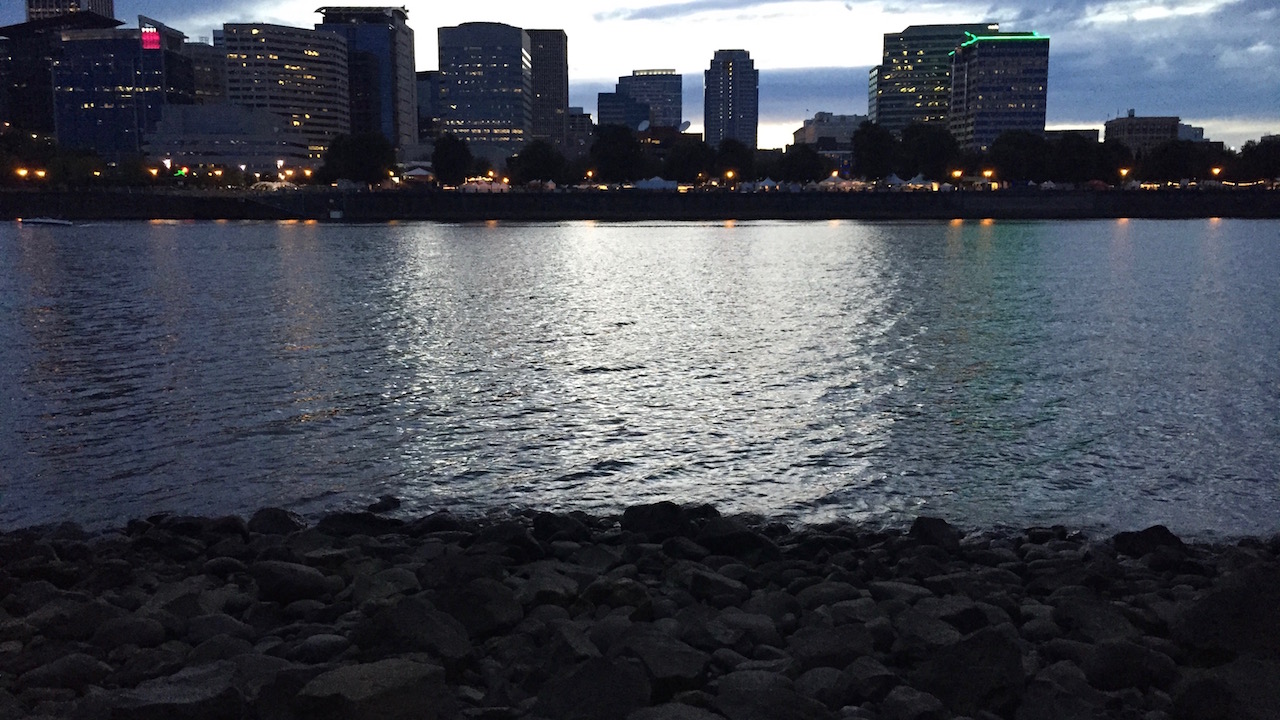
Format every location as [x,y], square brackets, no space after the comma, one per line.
[661,613]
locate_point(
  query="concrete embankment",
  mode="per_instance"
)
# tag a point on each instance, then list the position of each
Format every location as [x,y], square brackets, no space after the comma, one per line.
[662,612]
[630,205]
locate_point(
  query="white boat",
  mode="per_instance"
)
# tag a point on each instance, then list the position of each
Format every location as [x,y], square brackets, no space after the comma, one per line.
[45,221]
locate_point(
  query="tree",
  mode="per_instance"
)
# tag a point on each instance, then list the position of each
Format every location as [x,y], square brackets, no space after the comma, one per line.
[927,149]
[539,160]
[1019,155]
[688,161]
[616,155]
[734,156]
[451,159]
[874,150]
[364,157]
[801,163]
[1260,160]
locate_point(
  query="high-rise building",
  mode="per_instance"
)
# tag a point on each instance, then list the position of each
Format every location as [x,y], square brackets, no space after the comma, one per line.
[430,93]
[487,76]
[616,108]
[661,90]
[1143,134]
[110,87]
[297,73]
[209,65]
[380,70]
[549,54]
[27,51]
[912,84]
[731,99]
[40,9]
[999,83]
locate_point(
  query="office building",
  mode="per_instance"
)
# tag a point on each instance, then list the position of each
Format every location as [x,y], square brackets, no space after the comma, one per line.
[228,137]
[831,136]
[616,108]
[430,92]
[912,84]
[999,84]
[581,133]
[41,9]
[661,90]
[487,76]
[27,51]
[1142,134]
[731,99]
[110,86]
[296,73]
[380,69]
[209,66]
[549,55]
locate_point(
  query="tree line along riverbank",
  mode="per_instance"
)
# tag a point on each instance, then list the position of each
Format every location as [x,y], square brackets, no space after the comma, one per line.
[630,205]
[663,612]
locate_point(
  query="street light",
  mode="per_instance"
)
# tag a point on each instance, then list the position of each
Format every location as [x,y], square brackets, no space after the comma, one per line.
[1216,171]
[957,174]
[988,173]
[22,173]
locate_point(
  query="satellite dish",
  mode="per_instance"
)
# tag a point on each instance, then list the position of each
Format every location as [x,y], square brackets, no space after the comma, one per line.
[644,125]
[684,126]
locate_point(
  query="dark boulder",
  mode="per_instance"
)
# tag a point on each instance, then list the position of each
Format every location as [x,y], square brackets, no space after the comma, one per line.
[391,689]
[276,521]
[598,689]
[658,521]
[1138,544]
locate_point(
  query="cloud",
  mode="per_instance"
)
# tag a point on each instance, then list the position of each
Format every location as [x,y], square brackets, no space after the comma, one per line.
[684,9]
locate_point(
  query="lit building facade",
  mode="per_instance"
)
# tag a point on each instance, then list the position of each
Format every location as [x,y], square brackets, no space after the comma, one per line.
[999,84]
[380,70]
[226,137]
[110,87]
[27,51]
[549,55]
[487,77]
[831,136]
[731,99]
[209,66]
[296,73]
[40,9]
[912,84]
[661,90]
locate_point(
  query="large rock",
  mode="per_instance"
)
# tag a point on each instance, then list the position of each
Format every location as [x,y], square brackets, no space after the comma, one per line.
[1239,616]
[598,689]
[833,647]
[207,692]
[276,521]
[937,532]
[413,625]
[762,695]
[129,630]
[1138,544]
[74,671]
[983,671]
[1120,664]
[359,523]
[285,582]
[671,664]
[730,536]
[483,606]
[907,703]
[391,689]
[657,521]
[1093,620]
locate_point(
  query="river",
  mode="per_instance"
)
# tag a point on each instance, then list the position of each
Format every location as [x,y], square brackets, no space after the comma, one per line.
[1103,374]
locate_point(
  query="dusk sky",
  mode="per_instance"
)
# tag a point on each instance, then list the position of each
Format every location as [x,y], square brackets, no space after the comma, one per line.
[1215,63]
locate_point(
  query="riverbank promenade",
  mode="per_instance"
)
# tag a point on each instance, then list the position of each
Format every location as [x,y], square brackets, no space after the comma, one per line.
[635,205]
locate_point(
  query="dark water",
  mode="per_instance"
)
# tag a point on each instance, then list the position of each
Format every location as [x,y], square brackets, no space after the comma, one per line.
[1103,374]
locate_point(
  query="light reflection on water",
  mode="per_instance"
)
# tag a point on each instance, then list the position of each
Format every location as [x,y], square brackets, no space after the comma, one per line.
[1105,374]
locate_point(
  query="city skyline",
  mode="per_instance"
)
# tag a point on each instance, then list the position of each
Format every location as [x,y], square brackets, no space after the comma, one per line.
[1214,63]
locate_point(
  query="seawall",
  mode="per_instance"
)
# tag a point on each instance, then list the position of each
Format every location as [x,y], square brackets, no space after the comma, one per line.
[632,205]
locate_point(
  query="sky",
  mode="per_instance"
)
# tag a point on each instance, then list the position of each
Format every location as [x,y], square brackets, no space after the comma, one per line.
[1214,63]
